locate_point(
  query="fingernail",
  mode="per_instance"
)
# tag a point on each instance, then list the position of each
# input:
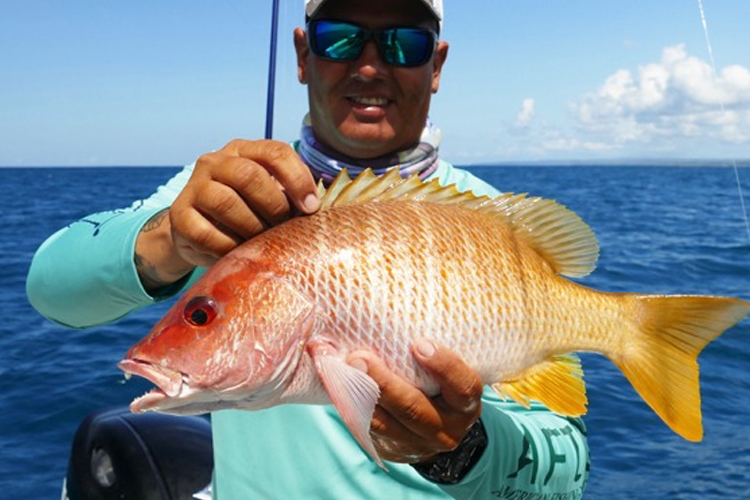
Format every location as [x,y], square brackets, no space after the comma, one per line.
[311,203]
[359,364]
[425,348]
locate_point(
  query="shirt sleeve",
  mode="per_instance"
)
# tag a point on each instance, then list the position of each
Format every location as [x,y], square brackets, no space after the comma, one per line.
[531,453]
[85,274]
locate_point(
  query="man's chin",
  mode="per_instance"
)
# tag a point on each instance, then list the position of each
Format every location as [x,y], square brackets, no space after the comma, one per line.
[367,141]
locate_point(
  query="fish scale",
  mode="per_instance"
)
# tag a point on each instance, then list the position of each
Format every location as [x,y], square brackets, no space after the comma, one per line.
[342,289]
[387,261]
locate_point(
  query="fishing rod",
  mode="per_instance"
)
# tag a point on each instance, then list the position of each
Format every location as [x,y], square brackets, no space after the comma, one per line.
[272,69]
[723,110]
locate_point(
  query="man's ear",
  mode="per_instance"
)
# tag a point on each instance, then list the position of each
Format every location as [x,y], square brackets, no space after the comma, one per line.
[438,59]
[303,51]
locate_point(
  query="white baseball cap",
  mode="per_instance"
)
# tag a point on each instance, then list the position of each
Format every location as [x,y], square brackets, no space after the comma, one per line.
[435,6]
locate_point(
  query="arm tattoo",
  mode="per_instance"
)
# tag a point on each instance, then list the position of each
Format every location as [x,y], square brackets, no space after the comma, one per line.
[147,271]
[155,221]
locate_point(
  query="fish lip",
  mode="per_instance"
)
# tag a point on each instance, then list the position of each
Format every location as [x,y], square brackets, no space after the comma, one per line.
[150,401]
[168,382]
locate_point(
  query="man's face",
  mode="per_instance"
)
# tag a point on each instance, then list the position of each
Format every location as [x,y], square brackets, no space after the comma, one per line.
[367,108]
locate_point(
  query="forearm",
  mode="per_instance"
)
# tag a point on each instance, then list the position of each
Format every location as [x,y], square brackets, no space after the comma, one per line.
[85,274]
[157,260]
[528,452]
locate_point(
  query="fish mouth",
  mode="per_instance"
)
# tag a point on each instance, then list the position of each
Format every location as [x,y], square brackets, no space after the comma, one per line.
[174,392]
[170,385]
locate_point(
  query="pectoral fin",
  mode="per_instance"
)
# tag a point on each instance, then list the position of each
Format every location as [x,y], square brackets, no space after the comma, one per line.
[353,393]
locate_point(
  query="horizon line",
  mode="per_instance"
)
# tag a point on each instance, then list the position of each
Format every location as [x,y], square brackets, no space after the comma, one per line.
[619,162]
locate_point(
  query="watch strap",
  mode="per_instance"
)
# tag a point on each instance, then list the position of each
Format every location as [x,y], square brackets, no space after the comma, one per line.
[452,466]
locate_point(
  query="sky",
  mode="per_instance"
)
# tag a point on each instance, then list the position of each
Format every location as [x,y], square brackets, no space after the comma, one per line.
[115,82]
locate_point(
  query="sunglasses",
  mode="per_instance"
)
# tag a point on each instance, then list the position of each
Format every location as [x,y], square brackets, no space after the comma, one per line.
[399,46]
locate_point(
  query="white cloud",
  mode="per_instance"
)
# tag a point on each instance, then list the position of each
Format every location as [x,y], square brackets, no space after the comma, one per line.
[668,108]
[526,114]
[677,98]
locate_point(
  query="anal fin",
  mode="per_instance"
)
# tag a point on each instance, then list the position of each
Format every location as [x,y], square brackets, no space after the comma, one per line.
[556,382]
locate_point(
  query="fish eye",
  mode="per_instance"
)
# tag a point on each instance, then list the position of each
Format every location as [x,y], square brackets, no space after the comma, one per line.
[200,311]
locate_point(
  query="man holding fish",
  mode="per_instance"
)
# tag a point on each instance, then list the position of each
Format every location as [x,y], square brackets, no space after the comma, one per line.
[370,68]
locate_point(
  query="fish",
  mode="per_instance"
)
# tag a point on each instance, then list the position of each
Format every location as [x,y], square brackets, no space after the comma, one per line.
[387,261]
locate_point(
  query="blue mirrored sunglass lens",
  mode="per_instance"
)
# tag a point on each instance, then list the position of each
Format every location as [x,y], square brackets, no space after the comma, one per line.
[338,40]
[405,46]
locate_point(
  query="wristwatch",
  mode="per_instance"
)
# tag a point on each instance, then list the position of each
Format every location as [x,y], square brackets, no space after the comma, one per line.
[452,466]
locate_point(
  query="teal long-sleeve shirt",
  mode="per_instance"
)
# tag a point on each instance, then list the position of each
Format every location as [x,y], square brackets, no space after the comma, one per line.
[84,275]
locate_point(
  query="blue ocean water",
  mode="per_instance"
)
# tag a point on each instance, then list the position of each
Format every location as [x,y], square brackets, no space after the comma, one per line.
[662,230]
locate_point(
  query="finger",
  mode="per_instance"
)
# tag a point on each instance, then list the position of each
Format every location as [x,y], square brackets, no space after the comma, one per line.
[404,402]
[197,239]
[460,385]
[230,213]
[258,189]
[285,165]
[394,442]
[384,425]
[398,439]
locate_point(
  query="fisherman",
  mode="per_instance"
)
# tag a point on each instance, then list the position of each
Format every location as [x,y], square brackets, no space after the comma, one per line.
[370,68]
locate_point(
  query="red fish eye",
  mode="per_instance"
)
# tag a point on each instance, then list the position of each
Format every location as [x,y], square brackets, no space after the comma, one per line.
[200,311]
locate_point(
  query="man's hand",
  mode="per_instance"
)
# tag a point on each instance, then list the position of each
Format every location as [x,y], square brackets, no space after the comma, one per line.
[233,194]
[410,427]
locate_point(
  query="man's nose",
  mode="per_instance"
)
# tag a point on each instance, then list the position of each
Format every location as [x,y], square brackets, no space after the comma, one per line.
[370,64]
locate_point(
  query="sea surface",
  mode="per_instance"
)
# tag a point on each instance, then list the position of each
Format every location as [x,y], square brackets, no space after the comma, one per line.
[662,230]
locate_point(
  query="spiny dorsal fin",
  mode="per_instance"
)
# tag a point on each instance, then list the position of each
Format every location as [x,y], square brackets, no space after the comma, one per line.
[557,382]
[555,232]
[330,194]
[375,189]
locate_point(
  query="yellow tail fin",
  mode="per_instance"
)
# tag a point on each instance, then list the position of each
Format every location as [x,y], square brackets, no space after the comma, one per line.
[661,360]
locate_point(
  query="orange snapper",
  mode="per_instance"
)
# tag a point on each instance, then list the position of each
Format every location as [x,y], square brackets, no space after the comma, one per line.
[386,261]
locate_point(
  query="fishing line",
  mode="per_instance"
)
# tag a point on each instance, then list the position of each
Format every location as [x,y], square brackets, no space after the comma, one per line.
[724,112]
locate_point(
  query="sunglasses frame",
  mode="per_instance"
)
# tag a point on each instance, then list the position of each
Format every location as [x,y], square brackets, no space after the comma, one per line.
[376,36]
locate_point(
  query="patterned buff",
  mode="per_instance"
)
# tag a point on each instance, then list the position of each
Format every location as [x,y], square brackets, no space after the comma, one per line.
[326,164]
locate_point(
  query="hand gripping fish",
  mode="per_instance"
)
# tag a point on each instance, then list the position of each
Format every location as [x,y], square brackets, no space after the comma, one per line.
[386,261]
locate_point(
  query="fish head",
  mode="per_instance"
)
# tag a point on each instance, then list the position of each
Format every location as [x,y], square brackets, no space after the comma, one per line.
[233,340]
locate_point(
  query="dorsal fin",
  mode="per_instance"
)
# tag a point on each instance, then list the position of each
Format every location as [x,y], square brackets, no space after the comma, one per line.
[566,242]
[328,195]
[555,232]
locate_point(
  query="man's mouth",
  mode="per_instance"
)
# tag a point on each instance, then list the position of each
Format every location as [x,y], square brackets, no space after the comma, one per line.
[368,107]
[369,101]
[369,104]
